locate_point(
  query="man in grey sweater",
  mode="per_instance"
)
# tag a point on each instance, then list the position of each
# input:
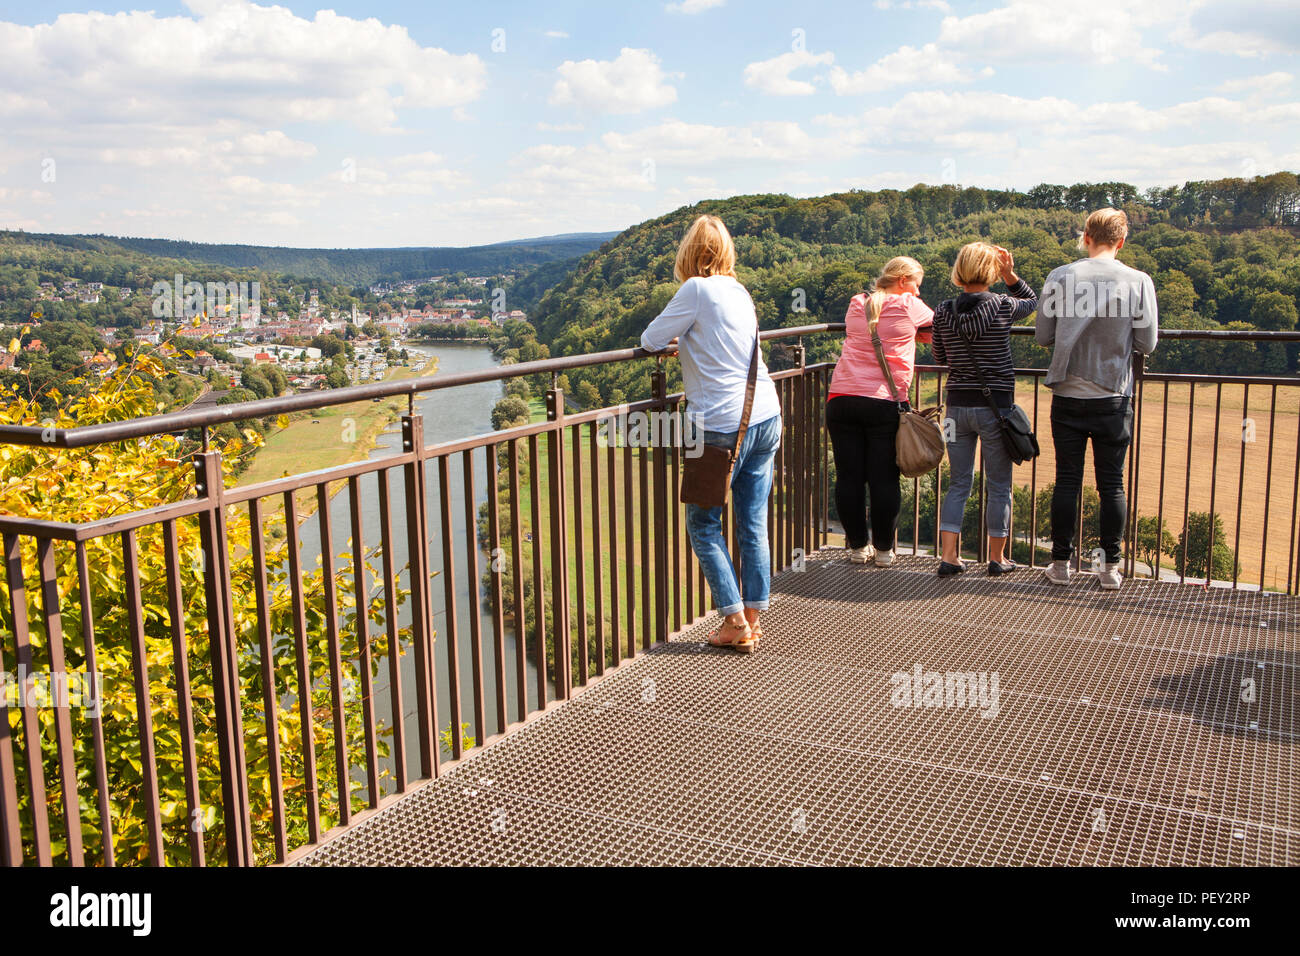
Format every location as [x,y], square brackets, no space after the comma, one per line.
[1093,314]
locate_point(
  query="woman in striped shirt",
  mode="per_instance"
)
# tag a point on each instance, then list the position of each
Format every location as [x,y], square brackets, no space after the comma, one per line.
[975,327]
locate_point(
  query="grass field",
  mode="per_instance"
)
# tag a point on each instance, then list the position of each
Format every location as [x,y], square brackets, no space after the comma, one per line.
[329,436]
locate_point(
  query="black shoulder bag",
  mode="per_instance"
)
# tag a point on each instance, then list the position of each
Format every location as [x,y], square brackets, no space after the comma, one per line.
[1017,432]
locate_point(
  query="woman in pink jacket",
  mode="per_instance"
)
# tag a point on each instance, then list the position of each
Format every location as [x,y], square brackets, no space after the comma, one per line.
[860,412]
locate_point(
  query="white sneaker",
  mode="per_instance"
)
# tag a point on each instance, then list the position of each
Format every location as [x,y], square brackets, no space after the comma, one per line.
[884,558]
[1058,572]
[862,555]
[1110,579]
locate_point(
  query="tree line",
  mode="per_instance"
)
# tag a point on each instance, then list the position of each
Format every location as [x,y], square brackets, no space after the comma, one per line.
[1223,254]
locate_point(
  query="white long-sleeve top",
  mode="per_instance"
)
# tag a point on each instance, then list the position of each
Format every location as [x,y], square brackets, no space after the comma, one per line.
[713,320]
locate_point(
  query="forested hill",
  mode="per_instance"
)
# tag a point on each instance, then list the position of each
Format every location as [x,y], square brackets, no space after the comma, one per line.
[355,266]
[1223,254]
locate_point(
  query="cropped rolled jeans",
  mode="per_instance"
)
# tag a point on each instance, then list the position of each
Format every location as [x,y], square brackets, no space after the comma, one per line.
[751,483]
[969,424]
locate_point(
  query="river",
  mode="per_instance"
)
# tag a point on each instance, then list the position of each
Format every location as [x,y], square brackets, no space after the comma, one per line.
[448,415]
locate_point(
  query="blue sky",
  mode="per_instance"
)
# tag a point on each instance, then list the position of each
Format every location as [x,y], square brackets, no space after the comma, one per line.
[367,124]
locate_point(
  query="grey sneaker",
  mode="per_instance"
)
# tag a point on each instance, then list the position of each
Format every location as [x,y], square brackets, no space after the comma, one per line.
[862,555]
[1110,579]
[884,558]
[1058,572]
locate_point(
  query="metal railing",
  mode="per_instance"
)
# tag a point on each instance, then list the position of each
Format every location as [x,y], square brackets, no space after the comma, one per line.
[1193,522]
[252,706]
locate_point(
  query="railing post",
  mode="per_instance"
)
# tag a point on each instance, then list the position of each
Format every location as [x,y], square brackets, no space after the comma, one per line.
[800,435]
[559,543]
[417,538]
[663,435]
[210,486]
[1135,466]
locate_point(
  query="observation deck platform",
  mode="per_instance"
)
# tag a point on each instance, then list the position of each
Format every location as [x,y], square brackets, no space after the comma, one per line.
[1151,726]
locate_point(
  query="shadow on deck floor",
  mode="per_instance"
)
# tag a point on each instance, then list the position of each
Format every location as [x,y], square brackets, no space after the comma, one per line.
[1155,725]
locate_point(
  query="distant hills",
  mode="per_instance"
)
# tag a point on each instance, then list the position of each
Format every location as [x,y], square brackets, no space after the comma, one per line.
[354,266]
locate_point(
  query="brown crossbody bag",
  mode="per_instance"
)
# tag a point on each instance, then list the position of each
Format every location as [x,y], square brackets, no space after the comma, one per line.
[706,478]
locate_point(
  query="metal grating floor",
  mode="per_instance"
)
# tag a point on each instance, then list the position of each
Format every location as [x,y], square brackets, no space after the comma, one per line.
[1155,725]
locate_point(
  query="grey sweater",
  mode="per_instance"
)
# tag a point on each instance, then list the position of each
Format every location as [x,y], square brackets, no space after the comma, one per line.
[1093,314]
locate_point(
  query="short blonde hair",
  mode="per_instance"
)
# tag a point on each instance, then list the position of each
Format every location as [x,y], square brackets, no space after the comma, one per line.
[977,264]
[1105,227]
[705,250]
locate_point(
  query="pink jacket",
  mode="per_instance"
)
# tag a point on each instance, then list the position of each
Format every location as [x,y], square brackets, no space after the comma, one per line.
[904,320]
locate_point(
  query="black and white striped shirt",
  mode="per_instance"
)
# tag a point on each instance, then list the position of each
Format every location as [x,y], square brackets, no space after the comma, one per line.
[986,319]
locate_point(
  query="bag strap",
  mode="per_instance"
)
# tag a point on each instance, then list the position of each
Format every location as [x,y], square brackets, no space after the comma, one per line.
[970,357]
[880,357]
[750,384]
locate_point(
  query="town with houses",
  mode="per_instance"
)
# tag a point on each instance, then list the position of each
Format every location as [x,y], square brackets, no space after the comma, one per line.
[252,336]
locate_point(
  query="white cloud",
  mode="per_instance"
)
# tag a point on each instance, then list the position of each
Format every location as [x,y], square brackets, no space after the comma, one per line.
[211,124]
[978,121]
[674,142]
[906,66]
[273,144]
[261,65]
[941,5]
[150,156]
[629,84]
[641,161]
[1262,29]
[1267,84]
[1097,32]
[252,187]
[694,6]
[35,195]
[426,158]
[556,34]
[773,76]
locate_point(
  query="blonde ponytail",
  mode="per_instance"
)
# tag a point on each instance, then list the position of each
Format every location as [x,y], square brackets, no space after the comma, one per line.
[875,301]
[895,270]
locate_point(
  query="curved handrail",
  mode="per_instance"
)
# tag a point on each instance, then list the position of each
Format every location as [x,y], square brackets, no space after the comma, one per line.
[172,422]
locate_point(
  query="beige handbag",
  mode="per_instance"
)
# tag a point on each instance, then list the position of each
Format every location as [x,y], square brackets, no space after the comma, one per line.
[919,446]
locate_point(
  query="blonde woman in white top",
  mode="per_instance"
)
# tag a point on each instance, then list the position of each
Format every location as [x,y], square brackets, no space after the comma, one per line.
[713,320]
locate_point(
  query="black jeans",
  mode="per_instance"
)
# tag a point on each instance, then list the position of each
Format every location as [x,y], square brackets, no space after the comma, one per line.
[862,434]
[1109,423]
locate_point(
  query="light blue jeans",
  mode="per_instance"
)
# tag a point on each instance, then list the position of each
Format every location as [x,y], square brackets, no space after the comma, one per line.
[751,483]
[970,424]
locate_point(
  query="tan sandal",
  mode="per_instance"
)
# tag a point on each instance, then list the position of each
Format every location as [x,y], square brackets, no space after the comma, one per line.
[742,638]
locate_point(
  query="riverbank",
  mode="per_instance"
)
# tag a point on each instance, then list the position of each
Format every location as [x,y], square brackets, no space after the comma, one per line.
[330,436]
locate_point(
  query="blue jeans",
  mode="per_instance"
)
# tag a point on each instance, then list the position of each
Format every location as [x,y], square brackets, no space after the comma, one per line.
[968,425]
[751,484]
